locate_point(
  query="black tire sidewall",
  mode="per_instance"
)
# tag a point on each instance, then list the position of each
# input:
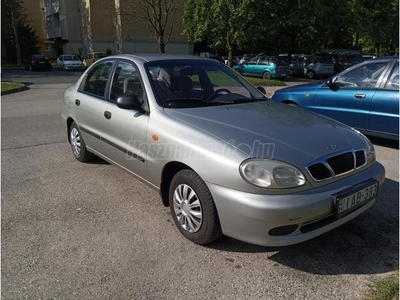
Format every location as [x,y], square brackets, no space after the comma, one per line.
[266,75]
[84,155]
[210,227]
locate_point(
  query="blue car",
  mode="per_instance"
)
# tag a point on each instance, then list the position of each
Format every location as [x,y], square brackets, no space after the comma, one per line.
[364,96]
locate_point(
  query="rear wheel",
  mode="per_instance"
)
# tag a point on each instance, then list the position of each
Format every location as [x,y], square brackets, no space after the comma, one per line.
[311,74]
[266,75]
[193,208]
[78,145]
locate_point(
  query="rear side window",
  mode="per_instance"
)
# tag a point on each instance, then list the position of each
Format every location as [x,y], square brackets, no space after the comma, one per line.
[95,81]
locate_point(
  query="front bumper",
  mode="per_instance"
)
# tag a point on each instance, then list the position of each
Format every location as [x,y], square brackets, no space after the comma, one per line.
[250,217]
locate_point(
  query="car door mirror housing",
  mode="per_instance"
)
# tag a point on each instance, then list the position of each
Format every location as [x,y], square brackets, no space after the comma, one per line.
[129,102]
[331,83]
[262,90]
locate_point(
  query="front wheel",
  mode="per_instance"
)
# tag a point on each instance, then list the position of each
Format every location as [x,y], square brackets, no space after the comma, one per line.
[78,145]
[193,208]
[311,74]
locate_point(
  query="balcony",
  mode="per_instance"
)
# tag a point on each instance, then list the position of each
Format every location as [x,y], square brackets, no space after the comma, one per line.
[54,32]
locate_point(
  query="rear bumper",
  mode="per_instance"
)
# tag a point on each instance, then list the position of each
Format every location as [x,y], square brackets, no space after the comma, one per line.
[250,217]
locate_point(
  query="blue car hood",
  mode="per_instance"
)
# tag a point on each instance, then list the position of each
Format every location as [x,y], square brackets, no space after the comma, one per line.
[295,135]
[310,87]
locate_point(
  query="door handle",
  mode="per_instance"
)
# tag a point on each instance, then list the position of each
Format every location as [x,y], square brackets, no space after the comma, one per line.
[107,115]
[77,102]
[360,96]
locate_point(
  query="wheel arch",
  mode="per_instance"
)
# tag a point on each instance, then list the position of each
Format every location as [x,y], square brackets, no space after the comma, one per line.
[168,172]
[69,123]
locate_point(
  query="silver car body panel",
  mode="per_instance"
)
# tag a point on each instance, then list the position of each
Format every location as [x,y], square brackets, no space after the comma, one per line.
[213,141]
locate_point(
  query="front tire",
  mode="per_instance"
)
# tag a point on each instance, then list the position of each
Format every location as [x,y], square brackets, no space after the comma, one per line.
[78,144]
[193,208]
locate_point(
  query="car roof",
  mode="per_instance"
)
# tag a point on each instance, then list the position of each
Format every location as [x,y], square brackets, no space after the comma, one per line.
[158,57]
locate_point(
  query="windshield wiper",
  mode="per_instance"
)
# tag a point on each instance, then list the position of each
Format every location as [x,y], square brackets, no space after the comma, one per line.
[241,100]
[188,102]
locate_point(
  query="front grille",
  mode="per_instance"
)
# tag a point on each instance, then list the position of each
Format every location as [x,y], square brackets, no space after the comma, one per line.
[360,158]
[319,171]
[341,163]
[337,165]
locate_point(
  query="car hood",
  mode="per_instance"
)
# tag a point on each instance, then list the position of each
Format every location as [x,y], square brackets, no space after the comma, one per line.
[301,88]
[272,130]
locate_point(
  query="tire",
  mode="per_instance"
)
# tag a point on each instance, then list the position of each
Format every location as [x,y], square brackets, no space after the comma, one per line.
[266,75]
[198,223]
[311,74]
[78,145]
[292,104]
[31,68]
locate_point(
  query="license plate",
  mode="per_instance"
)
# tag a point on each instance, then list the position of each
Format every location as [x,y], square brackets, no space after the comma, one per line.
[355,198]
[283,74]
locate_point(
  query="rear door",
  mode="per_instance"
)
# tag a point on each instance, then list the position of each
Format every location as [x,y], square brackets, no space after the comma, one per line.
[384,115]
[87,105]
[350,103]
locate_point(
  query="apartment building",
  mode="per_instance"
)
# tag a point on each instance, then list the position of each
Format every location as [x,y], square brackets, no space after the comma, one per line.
[82,26]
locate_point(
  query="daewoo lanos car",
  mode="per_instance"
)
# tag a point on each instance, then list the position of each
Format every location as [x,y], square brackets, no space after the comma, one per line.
[224,158]
[365,96]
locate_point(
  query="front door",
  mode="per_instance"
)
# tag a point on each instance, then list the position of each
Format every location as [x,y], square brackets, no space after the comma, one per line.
[123,130]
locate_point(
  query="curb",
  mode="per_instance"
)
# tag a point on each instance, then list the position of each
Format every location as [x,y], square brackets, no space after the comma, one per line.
[16,90]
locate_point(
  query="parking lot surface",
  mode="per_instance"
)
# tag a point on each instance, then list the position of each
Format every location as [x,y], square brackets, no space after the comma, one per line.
[91,231]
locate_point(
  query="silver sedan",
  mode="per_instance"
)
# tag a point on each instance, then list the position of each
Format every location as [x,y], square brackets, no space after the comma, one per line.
[224,158]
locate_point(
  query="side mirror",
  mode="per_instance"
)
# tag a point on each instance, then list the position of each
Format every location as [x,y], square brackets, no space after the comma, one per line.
[331,83]
[262,90]
[129,102]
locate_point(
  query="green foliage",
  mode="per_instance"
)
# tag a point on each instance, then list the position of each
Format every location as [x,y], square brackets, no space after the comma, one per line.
[294,26]
[27,37]
[385,289]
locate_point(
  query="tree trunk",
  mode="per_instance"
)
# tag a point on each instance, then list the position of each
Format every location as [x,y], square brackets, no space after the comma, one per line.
[230,57]
[161,46]
[16,39]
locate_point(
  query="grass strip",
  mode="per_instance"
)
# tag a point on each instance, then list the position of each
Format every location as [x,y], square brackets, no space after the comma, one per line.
[12,87]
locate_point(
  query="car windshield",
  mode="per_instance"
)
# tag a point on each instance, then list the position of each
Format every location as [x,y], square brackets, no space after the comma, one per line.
[100,55]
[38,57]
[196,83]
[71,57]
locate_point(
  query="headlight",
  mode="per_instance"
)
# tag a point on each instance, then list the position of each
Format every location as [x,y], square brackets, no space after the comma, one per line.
[271,174]
[371,157]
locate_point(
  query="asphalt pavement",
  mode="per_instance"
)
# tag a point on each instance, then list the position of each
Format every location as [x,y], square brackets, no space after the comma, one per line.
[90,231]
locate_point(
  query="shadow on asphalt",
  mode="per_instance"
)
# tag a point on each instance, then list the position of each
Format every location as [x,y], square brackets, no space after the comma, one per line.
[369,244]
[384,142]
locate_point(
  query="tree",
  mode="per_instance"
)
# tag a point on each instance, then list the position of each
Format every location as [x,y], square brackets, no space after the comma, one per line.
[157,15]
[17,35]
[223,23]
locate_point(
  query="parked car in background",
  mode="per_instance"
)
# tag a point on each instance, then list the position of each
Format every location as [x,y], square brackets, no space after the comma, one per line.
[318,66]
[93,57]
[266,67]
[347,60]
[297,66]
[365,96]
[69,62]
[224,158]
[235,60]
[37,62]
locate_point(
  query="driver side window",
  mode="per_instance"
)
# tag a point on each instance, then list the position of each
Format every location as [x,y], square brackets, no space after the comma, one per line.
[365,76]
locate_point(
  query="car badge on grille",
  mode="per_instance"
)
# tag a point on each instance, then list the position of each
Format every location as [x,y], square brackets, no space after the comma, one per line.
[331,147]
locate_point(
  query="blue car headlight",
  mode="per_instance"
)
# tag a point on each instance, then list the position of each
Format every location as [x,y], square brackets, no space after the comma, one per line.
[272,174]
